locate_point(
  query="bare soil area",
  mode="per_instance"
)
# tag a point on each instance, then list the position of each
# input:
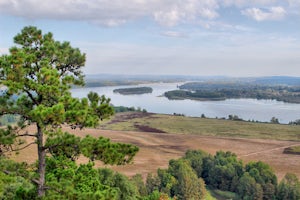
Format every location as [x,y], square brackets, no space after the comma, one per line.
[156,149]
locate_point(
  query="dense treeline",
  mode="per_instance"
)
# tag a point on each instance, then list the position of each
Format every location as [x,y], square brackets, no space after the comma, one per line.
[135,90]
[197,95]
[221,91]
[185,178]
[255,180]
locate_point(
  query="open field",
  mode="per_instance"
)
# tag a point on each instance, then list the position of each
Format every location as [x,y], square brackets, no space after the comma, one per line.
[200,126]
[156,149]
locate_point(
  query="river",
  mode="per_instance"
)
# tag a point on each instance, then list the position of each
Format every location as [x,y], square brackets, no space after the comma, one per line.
[247,109]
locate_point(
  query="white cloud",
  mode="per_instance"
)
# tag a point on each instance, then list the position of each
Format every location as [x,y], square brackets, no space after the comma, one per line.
[273,13]
[247,3]
[113,12]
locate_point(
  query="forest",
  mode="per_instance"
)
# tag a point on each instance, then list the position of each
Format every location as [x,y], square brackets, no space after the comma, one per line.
[226,90]
[194,176]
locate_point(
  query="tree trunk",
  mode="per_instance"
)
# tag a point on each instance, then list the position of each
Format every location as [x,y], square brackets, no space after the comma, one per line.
[41,161]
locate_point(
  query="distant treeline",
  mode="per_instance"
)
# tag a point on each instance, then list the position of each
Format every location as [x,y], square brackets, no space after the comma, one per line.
[135,90]
[92,83]
[197,95]
[222,91]
[119,109]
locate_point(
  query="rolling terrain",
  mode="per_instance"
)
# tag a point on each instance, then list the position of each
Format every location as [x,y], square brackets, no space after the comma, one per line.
[160,143]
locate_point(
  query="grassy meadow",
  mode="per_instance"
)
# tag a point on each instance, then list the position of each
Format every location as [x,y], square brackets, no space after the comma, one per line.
[200,126]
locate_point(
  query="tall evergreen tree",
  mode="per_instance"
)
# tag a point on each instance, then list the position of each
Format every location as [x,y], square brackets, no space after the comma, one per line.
[38,73]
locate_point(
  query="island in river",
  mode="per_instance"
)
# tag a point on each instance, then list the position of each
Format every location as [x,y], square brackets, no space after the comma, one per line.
[135,90]
[205,91]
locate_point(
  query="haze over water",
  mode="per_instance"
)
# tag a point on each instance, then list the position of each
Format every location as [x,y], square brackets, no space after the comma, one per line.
[247,109]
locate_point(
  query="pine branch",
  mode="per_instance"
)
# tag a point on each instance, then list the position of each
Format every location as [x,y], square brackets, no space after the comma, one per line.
[11,148]
[26,134]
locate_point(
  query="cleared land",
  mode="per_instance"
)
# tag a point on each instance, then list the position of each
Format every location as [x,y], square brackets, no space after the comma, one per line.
[157,148]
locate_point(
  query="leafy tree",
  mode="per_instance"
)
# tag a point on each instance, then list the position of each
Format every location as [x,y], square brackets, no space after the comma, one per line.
[289,188]
[38,73]
[167,181]
[274,120]
[248,188]
[152,183]
[224,169]
[195,157]
[138,181]
[263,175]
[188,185]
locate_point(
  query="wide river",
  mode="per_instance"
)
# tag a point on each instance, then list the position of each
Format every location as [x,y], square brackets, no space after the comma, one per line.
[247,109]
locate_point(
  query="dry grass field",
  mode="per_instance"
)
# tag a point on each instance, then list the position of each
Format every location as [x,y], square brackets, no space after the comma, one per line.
[157,148]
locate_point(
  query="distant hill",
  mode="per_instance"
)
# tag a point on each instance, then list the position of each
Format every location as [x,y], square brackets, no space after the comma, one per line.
[279,80]
[99,80]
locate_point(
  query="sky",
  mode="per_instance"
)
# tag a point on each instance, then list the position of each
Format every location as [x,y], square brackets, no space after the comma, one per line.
[161,37]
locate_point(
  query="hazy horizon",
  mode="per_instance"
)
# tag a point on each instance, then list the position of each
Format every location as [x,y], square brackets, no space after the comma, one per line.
[235,38]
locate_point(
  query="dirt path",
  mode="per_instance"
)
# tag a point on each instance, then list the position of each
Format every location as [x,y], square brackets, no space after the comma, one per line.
[268,150]
[156,149]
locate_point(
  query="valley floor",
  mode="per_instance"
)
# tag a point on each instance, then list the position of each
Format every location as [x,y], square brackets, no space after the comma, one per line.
[156,149]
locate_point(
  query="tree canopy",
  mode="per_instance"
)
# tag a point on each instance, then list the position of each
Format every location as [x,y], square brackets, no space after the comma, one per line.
[37,75]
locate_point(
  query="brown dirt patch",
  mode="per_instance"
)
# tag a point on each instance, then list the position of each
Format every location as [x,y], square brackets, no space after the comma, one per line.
[144,128]
[156,149]
[123,117]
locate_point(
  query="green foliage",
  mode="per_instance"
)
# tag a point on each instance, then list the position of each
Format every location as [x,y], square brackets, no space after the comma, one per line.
[138,181]
[64,144]
[263,175]
[292,150]
[155,195]
[289,188]
[220,194]
[16,187]
[179,181]
[37,75]
[224,169]
[70,146]
[152,183]
[248,188]
[13,168]
[7,139]
[69,181]
[196,157]
[110,153]
[14,180]
[188,185]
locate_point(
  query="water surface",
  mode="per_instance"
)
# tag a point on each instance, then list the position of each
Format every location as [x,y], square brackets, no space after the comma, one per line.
[247,109]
